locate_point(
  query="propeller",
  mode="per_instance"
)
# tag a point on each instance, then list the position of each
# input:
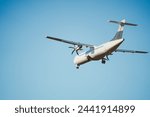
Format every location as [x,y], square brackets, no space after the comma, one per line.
[76,48]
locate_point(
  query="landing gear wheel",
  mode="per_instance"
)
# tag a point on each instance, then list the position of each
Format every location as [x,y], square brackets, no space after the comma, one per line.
[103,61]
[77,66]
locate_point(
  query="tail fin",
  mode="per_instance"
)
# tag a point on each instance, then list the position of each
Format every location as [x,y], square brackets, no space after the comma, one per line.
[120,28]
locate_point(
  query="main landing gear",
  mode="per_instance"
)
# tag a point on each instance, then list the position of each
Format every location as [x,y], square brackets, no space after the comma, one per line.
[103,61]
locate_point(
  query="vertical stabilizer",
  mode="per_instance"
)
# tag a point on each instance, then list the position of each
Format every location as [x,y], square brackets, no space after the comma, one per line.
[119,33]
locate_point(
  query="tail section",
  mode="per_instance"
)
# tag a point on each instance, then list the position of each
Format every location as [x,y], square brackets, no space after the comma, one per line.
[120,28]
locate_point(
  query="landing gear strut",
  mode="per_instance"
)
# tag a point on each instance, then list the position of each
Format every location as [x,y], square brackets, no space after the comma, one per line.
[77,66]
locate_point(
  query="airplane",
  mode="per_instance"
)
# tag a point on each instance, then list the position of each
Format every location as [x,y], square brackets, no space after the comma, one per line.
[100,52]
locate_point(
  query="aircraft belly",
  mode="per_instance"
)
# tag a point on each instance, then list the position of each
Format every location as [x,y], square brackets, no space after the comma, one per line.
[98,54]
[113,48]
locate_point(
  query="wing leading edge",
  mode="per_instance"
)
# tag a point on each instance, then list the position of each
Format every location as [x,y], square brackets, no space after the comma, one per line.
[69,42]
[130,51]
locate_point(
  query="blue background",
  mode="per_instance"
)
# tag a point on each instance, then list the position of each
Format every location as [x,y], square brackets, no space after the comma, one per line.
[32,67]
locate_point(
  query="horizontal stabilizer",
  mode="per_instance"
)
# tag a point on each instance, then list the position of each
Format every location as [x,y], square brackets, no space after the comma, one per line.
[131,51]
[122,23]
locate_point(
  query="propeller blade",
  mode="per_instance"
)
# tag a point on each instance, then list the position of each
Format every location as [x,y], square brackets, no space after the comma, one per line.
[72,51]
[71,47]
[77,52]
[76,48]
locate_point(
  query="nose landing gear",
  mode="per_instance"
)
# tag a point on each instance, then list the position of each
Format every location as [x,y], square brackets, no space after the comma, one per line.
[77,66]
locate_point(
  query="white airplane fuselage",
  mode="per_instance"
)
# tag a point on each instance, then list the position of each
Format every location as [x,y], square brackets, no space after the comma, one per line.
[102,51]
[97,52]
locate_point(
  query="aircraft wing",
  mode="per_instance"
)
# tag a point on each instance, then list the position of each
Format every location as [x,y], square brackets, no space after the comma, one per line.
[69,42]
[130,51]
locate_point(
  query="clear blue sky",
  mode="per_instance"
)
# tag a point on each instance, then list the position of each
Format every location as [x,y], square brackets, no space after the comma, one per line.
[32,67]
